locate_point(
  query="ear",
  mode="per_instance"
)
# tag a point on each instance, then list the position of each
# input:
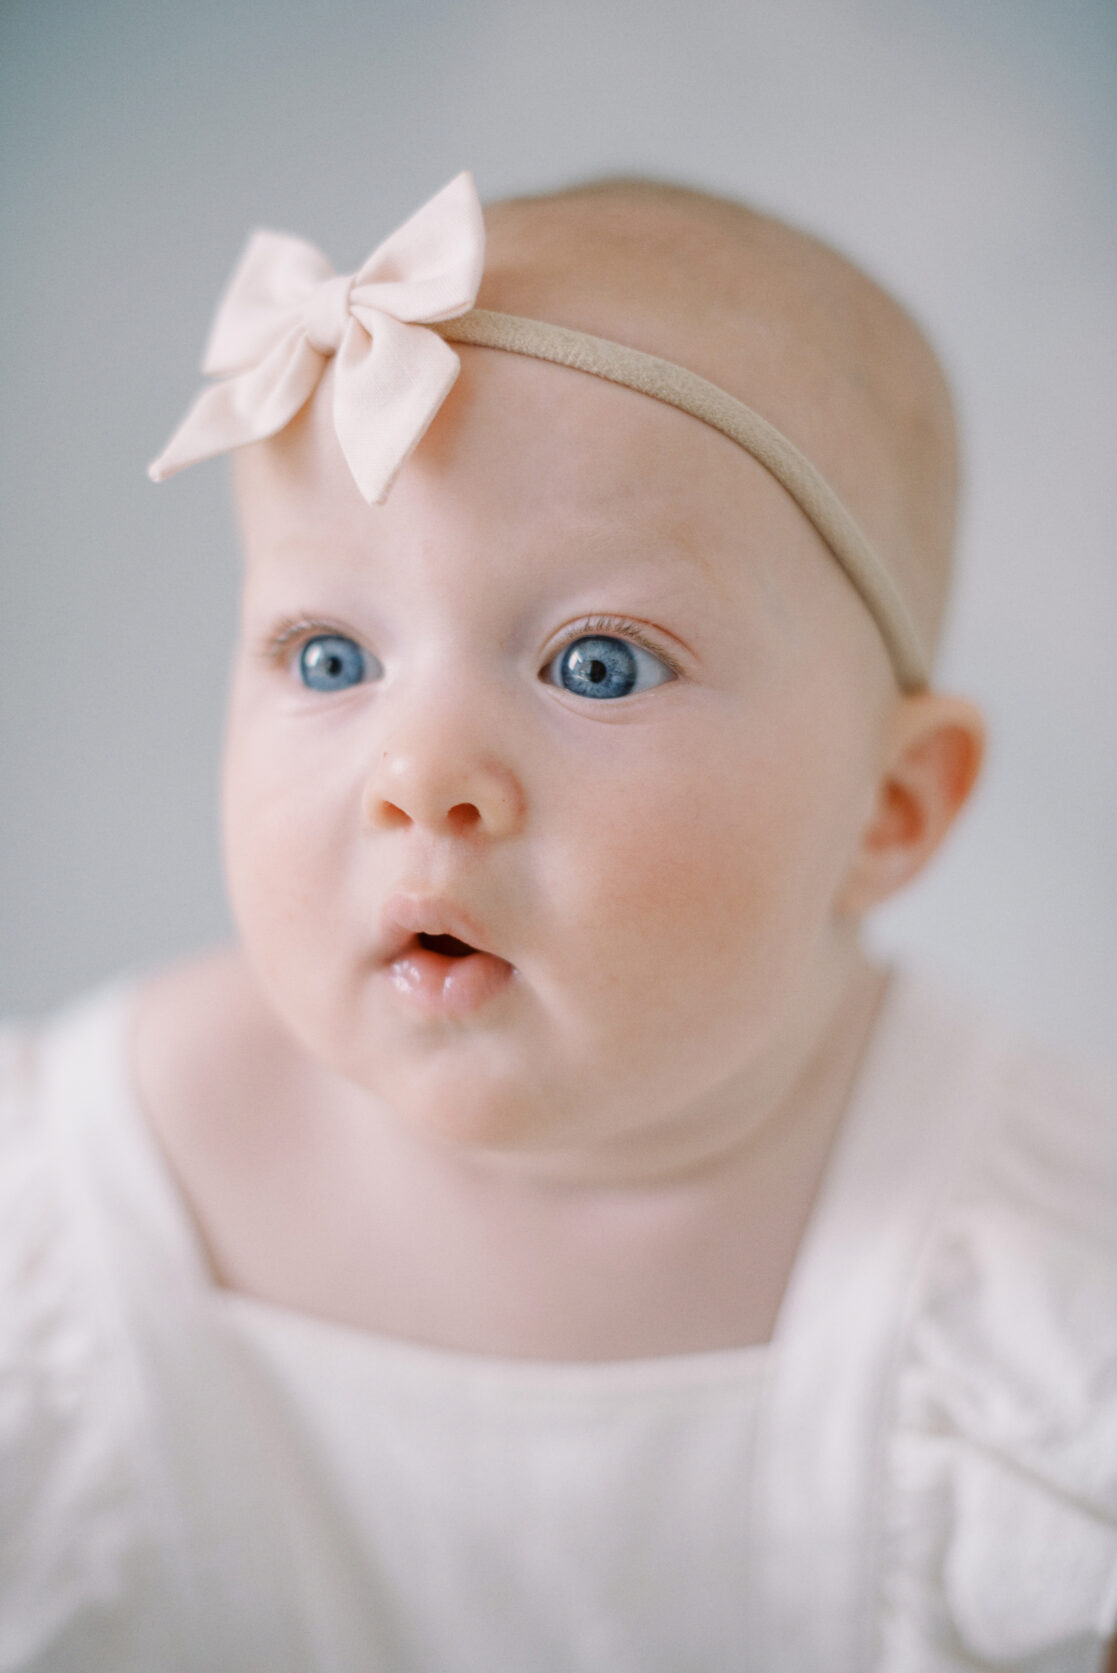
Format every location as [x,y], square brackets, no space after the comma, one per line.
[932,757]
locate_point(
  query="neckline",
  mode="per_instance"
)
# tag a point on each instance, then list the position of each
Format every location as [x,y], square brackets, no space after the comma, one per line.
[423,1364]
[169,1219]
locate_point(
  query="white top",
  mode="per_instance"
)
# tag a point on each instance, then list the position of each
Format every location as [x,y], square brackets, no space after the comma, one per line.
[920,1473]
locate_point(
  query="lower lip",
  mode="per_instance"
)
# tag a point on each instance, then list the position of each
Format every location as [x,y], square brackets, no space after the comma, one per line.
[448,987]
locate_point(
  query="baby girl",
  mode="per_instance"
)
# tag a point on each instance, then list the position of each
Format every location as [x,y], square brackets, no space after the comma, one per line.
[548,1241]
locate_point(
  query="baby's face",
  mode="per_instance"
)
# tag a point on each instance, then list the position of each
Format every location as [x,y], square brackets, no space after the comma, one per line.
[587,694]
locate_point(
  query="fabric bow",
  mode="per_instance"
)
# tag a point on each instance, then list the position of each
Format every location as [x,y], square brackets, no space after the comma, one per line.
[286,312]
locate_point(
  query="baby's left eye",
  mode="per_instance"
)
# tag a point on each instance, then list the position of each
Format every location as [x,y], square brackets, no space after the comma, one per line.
[602,666]
[332,662]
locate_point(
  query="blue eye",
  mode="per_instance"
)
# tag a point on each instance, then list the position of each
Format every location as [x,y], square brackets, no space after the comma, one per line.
[330,662]
[596,666]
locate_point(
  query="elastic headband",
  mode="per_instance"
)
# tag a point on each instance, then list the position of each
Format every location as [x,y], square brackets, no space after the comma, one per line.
[286,313]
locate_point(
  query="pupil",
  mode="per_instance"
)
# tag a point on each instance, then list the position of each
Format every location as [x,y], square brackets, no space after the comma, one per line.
[599,666]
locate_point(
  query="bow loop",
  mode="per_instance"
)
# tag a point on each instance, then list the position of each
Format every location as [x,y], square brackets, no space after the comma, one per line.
[285,312]
[430,267]
[269,287]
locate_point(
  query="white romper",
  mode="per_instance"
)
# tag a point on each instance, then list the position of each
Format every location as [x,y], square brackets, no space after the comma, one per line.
[919,1475]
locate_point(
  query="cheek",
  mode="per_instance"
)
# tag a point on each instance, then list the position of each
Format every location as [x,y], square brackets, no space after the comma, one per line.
[705,881]
[285,843]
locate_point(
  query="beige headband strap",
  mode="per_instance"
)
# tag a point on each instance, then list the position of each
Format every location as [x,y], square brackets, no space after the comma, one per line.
[664,381]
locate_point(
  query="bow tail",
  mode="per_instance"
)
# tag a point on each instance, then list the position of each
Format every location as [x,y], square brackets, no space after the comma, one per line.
[391,380]
[246,407]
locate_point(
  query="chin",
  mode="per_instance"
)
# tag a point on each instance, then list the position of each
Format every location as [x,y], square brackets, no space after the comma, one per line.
[472,1109]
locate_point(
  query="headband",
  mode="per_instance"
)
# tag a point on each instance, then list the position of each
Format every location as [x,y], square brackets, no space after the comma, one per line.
[285,313]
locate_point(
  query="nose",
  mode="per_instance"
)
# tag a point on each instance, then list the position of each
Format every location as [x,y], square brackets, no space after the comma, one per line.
[434,777]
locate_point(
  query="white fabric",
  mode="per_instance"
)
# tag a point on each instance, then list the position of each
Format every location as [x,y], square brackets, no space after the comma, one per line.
[921,1473]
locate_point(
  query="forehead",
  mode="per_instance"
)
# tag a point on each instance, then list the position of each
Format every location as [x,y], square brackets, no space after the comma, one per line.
[538,474]
[774,318]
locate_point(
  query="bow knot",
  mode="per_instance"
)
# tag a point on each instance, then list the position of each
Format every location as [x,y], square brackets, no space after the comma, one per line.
[286,311]
[325,313]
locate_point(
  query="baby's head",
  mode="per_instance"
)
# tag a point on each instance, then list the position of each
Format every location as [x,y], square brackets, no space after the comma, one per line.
[589,692]
[774,317]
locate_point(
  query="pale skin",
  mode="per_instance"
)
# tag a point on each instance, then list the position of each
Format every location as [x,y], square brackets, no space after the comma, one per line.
[616,1153]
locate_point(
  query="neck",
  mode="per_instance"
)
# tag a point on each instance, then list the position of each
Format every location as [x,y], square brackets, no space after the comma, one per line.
[681,1248]
[340,1210]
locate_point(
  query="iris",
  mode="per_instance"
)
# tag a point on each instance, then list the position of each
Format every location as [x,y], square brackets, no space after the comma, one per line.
[596,666]
[330,662]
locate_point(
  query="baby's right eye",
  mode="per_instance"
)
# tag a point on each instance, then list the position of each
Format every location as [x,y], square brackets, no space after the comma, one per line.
[331,662]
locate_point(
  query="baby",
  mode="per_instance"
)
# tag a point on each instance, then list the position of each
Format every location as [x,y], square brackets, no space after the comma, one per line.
[548,1241]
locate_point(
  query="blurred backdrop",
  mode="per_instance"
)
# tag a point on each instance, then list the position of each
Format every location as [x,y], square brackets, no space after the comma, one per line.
[964,150]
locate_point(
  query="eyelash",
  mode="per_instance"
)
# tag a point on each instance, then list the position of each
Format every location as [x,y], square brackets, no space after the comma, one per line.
[292,633]
[615,627]
[295,631]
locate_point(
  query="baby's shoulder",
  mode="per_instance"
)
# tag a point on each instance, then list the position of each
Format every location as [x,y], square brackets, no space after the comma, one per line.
[69,1416]
[205,1051]
[1017,1128]
[204,1010]
[106,1353]
[77,1089]
[1001,1503]
[1018,1301]
[178,1054]
[1049,1165]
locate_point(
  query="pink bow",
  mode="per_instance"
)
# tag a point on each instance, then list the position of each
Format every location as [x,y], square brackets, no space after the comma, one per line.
[286,312]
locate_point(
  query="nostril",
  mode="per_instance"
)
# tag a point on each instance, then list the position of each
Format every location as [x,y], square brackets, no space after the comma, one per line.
[388,816]
[463,817]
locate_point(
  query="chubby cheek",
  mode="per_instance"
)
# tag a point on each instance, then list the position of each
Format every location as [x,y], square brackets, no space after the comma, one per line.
[702,903]
[287,869]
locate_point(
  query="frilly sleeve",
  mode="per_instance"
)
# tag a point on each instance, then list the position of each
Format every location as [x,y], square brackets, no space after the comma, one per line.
[1000,1507]
[67,1410]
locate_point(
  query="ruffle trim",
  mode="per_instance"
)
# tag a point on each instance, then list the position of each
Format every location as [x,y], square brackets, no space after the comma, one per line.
[68,1415]
[1000,1513]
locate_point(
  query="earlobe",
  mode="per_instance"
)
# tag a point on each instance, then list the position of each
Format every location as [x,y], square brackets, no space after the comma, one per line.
[931,763]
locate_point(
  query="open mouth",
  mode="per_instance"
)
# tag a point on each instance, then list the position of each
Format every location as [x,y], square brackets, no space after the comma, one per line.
[445,976]
[448,945]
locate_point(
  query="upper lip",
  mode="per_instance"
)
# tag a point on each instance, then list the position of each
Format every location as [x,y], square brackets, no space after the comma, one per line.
[407,915]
